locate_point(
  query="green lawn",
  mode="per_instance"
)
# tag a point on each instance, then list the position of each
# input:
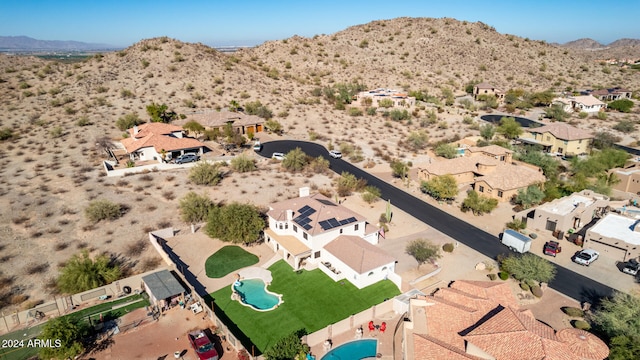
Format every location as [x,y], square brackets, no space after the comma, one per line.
[122,306]
[227,260]
[311,301]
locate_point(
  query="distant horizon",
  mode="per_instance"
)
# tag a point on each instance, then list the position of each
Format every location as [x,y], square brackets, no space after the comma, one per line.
[120,23]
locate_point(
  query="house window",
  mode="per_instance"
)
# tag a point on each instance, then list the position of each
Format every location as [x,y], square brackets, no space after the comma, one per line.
[548,138]
[316,254]
[280,226]
[286,226]
[580,141]
[502,158]
[355,227]
[295,228]
[481,188]
[340,231]
[304,235]
[370,273]
[499,193]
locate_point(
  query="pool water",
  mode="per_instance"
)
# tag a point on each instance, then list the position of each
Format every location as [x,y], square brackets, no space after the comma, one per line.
[354,350]
[253,292]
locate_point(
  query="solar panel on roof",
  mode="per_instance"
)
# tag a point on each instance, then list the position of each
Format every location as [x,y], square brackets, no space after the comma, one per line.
[333,222]
[326,202]
[307,227]
[304,208]
[324,225]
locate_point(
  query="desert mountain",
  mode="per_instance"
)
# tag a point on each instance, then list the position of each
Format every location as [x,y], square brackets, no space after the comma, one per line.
[25,43]
[51,169]
[584,43]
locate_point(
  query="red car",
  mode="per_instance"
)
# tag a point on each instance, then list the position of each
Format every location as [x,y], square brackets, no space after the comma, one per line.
[202,345]
[552,248]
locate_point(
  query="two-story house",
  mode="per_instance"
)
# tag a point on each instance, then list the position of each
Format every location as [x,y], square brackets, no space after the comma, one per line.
[314,230]
[484,88]
[559,138]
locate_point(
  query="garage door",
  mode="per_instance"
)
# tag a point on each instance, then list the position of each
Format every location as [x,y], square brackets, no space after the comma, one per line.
[609,251]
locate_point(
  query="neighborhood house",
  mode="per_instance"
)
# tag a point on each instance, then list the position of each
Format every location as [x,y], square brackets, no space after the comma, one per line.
[217,120]
[312,230]
[615,236]
[611,94]
[559,138]
[397,98]
[484,88]
[159,142]
[581,103]
[629,177]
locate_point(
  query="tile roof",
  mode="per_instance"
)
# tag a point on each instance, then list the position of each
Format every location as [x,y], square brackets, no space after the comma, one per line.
[587,100]
[427,347]
[562,131]
[157,128]
[485,85]
[510,176]
[460,165]
[358,254]
[495,150]
[583,344]
[325,209]
[499,292]
[212,118]
[160,142]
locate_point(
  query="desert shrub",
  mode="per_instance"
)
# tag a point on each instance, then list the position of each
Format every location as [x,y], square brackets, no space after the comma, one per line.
[448,247]
[372,111]
[516,224]
[137,247]
[573,311]
[478,204]
[128,121]
[625,126]
[398,115]
[622,105]
[492,276]
[6,133]
[353,111]
[348,183]
[318,165]
[583,115]
[236,223]
[503,275]
[83,121]
[524,286]
[370,194]
[399,168]
[99,210]
[243,163]
[447,151]
[536,291]
[205,173]
[580,324]
[256,108]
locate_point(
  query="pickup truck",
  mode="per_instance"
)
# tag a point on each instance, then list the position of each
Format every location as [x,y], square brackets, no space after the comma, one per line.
[552,248]
[631,267]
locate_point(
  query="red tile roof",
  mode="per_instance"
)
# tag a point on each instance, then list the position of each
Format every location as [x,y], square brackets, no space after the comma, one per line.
[160,142]
[157,128]
[583,344]
[426,347]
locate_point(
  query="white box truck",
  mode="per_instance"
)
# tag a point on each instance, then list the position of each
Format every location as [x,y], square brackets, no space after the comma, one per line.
[516,241]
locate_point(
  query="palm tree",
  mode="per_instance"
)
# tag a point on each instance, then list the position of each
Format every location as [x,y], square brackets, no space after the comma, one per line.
[233,106]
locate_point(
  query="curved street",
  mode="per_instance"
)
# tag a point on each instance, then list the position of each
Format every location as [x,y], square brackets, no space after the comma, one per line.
[568,282]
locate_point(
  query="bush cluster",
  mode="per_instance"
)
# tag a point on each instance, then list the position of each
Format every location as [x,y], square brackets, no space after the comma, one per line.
[448,247]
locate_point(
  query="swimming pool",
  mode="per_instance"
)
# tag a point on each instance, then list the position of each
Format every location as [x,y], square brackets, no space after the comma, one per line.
[354,350]
[254,293]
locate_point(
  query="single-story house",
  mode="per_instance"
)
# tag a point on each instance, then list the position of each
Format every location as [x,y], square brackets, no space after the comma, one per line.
[312,230]
[560,138]
[570,212]
[398,98]
[163,288]
[160,142]
[480,320]
[484,88]
[629,177]
[212,119]
[616,93]
[615,236]
[581,103]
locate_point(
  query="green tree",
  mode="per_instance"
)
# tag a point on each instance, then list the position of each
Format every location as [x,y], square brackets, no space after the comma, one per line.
[529,197]
[549,165]
[478,204]
[542,98]
[82,273]
[70,335]
[128,121]
[256,108]
[287,348]
[319,165]
[603,140]
[442,187]
[160,113]
[509,128]
[295,160]
[204,173]
[622,105]
[490,101]
[370,194]
[399,169]
[195,208]
[348,182]
[487,131]
[194,127]
[618,315]
[6,133]
[556,112]
[599,162]
[447,151]
[447,95]
[398,115]
[385,103]
[236,223]
[233,106]
[243,163]
[423,250]
[529,267]
[274,126]
[624,347]
[417,140]
[99,210]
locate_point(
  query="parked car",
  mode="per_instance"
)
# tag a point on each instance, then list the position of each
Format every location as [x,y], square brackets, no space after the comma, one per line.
[257,146]
[335,154]
[202,345]
[277,156]
[552,248]
[586,257]
[631,267]
[187,158]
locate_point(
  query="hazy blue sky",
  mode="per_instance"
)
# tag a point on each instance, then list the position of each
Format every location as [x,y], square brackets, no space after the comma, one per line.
[250,22]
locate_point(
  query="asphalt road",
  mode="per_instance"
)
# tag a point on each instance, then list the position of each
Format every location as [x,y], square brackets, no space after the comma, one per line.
[566,281]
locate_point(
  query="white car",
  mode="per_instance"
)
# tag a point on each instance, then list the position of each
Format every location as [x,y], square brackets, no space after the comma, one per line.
[335,154]
[586,257]
[277,156]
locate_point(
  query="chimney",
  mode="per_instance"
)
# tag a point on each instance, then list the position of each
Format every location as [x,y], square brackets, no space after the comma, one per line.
[289,215]
[304,191]
[135,130]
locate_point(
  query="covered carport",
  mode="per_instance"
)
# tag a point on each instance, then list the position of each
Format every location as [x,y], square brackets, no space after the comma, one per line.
[163,288]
